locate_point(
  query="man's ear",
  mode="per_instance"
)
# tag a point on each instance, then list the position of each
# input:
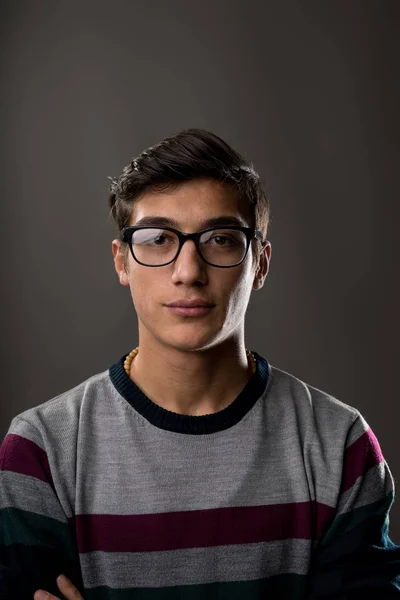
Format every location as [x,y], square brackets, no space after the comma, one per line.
[262,266]
[120,262]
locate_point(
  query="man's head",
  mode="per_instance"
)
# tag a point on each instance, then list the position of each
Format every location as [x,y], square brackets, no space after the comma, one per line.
[187,182]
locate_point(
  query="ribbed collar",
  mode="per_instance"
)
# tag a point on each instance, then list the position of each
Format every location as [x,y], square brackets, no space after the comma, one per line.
[195,425]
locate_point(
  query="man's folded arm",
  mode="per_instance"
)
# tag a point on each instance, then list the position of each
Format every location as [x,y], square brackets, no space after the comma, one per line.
[36,537]
[355,558]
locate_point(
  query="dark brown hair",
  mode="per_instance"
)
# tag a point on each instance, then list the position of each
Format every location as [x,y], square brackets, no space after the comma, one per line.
[190,154]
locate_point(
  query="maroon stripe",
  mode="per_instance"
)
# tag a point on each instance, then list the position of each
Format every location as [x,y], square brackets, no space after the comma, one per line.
[195,529]
[362,455]
[324,516]
[20,455]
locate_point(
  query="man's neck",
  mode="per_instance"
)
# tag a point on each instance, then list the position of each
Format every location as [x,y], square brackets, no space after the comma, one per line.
[191,383]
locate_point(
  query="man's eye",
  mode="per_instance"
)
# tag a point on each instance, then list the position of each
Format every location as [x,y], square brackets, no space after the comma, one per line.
[163,239]
[159,240]
[222,240]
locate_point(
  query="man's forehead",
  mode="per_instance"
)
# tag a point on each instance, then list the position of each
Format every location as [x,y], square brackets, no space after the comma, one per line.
[198,203]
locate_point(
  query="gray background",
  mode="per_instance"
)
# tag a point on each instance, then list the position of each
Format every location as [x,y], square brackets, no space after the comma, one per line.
[309,91]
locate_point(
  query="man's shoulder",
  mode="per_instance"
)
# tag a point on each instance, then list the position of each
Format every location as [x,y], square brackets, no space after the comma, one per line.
[318,404]
[326,426]
[63,410]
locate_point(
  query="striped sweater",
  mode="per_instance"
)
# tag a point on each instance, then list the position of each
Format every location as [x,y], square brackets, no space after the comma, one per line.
[283,494]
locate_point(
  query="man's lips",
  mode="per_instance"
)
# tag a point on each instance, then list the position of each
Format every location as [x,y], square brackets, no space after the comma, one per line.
[190,311]
[194,303]
[190,308]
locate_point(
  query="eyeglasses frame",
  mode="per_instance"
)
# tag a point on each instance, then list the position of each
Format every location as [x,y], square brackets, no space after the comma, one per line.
[250,233]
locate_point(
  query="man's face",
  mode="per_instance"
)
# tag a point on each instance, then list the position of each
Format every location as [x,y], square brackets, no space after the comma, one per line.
[189,207]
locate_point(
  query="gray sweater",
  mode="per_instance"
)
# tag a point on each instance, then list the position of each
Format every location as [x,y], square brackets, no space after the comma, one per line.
[283,494]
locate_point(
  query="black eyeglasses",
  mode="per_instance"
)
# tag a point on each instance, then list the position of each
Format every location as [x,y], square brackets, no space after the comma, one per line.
[222,247]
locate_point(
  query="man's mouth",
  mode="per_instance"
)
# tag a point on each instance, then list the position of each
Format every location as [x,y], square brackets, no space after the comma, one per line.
[190,308]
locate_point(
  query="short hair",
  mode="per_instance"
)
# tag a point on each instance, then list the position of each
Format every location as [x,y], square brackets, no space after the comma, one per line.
[188,155]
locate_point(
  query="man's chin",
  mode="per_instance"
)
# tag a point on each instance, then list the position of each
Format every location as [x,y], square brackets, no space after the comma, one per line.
[190,343]
[189,346]
[186,338]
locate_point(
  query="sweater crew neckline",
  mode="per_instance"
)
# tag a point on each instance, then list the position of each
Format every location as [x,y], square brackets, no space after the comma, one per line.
[189,424]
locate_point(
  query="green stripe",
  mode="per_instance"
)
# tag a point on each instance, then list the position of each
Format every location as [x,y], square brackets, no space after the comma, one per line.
[30,529]
[348,521]
[291,586]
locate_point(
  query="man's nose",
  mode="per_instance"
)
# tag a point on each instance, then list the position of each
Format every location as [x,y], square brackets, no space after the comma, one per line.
[189,267]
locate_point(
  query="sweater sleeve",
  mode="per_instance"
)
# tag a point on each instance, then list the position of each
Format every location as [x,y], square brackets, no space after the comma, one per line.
[37,542]
[355,558]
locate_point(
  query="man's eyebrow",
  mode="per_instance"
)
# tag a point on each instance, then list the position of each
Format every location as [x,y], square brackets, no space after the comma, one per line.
[225,221]
[167,222]
[157,221]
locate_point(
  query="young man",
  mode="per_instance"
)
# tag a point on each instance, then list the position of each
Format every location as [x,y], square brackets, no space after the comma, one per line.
[193,468]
